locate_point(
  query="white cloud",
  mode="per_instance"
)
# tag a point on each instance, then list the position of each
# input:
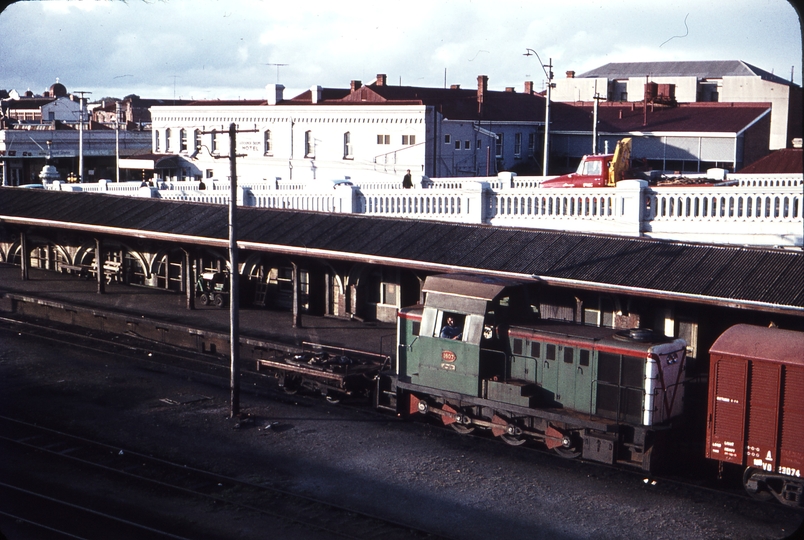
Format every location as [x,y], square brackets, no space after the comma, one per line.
[221,49]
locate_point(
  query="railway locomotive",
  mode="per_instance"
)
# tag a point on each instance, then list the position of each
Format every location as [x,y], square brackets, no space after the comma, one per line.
[476,356]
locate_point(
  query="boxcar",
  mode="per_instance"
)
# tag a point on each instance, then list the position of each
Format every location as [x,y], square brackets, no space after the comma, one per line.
[580,390]
[756,409]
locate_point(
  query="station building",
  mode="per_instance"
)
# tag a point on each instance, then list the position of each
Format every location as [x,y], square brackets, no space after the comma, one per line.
[712,81]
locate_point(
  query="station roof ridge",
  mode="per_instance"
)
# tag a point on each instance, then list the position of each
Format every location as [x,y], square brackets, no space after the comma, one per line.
[756,278]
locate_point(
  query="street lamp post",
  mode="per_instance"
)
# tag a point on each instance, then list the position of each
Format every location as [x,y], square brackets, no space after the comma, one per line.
[81,135]
[117,142]
[549,74]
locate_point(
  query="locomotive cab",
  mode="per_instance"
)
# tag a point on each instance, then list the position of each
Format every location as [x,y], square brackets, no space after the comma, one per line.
[456,339]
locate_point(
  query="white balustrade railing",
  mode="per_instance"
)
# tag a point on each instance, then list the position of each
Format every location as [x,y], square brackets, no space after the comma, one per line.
[768,180]
[758,210]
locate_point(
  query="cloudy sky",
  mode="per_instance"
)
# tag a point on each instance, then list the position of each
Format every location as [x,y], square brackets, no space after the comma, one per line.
[230,49]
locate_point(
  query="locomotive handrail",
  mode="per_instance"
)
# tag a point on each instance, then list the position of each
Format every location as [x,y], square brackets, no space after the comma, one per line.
[494,353]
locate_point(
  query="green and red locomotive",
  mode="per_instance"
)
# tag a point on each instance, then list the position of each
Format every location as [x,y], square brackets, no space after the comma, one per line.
[477,356]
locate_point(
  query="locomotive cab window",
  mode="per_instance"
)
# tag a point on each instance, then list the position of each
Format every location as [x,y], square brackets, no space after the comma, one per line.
[451,325]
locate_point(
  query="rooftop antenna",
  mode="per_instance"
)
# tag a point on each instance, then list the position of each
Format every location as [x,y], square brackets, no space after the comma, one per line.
[277,69]
[174,88]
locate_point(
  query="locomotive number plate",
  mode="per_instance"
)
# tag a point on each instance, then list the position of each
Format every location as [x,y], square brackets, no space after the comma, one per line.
[448,356]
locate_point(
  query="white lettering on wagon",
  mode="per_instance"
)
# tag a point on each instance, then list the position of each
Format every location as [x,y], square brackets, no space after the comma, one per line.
[790,471]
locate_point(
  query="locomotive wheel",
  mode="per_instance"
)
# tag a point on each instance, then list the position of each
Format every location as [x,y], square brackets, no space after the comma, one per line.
[513,436]
[572,451]
[291,385]
[204,299]
[218,300]
[513,440]
[756,489]
[459,427]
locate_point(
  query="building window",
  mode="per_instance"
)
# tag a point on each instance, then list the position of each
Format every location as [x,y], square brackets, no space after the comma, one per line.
[209,173]
[309,146]
[408,140]
[447,139]
[383,287]
[531,143]
[182,140]
[467,145]
[347,145]
[479,144]
[156,141]
[167,140]
[500,141]
[457,144]
[383,139]
[213,141]
[517,145]
[267,146]
[197,140]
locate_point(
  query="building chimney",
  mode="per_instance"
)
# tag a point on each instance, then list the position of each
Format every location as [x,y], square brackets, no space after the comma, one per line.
[510,89]
[455,87]
[528,87]
[482,88]
[274,93]
[355,85]
[315,94]
[570,74]
[382,79]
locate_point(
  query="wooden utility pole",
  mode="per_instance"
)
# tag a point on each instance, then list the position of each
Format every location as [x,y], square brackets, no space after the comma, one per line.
[234,292]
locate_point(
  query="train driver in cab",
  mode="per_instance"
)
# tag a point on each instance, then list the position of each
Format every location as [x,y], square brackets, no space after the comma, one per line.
[451,330]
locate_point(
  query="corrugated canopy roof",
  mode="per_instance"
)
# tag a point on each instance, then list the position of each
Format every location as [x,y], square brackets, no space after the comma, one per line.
[764,279]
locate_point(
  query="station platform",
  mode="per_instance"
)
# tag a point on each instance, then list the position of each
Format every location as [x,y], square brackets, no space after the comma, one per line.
[148,303]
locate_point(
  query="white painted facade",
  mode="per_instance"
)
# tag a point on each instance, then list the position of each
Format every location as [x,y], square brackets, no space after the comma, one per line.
[295,143]
[320,140]
[63,109]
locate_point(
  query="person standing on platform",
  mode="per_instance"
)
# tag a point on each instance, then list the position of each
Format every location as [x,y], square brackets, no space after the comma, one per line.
[407,182]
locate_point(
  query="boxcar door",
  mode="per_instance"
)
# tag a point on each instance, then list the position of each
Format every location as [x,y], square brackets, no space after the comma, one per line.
[727,393]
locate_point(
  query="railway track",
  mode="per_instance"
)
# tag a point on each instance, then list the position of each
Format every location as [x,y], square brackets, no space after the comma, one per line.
[326,519]
[216,369]
[219,490]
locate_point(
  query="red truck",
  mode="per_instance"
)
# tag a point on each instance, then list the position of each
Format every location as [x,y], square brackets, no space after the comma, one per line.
[599,170]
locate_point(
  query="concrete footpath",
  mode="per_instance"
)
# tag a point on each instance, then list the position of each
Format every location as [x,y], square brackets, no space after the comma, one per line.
[170,307]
